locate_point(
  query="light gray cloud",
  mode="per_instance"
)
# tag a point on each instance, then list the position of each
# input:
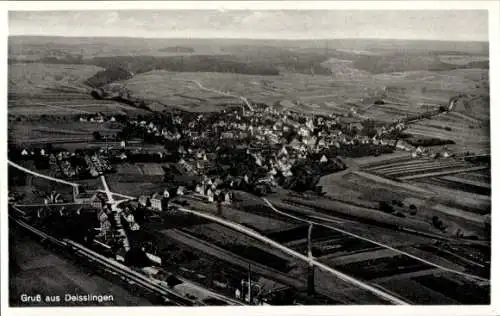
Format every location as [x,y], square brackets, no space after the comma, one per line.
[446,25]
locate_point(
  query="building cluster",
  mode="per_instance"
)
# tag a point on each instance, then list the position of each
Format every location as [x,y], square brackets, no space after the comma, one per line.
[273,141]
[96,118]
[73,165]
[211,191]
[97,164]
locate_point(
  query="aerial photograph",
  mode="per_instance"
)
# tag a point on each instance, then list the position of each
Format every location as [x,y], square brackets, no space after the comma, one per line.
[211,157]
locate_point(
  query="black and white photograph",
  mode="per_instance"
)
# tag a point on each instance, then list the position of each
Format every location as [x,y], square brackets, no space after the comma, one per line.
[226,156]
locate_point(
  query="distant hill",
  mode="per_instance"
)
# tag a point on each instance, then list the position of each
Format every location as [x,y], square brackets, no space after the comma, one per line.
[243,56]
[192,63]
[195,43]
[399,62]
[177,49]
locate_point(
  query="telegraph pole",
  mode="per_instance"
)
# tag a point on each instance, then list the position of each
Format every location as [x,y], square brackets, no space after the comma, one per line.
[249,284]
[310,277]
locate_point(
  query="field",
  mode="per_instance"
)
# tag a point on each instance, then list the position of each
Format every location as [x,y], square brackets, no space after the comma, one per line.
[344,82]
[135,184]
[58,131]
[431,199]
[403,93]
[461,59]
[55,90]
[33,79]
[263,224]
[355,257]
[46,100]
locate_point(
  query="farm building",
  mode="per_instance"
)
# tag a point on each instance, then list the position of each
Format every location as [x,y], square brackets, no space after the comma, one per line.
[152,169]
[159,201]
[156,201]
[99,200]
[84,198]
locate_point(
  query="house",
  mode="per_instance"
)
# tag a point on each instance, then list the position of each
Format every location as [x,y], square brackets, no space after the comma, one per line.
[84,198]
[419,151]
[143,200]
[355,126]
[156,201]
[99,200]
[258,161]
[295,144]
[287,173]
[322,143]
[210,195]
[180,191]
[159,202]
[227,198]
[283,152]
[198,189]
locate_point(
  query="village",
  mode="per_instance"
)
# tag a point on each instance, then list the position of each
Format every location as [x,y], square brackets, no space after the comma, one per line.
[211,154]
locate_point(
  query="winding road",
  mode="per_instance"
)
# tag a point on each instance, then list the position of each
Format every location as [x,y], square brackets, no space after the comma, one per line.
[226,94]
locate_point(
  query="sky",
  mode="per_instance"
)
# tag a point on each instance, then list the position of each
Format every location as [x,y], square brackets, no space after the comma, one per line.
[456,25]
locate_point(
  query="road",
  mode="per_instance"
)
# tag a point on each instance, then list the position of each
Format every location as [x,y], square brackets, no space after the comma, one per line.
[251,233]
[41,175]
[308,221]
[226,94]
[230,257]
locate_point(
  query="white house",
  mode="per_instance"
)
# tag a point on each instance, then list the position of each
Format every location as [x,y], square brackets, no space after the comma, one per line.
[227,198]
[198,189]
[283,152]
[156,202]
[166,194]
[210,195]
[180,190]
[287,173]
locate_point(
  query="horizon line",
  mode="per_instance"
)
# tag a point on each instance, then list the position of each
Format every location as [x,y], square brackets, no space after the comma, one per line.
[259,38]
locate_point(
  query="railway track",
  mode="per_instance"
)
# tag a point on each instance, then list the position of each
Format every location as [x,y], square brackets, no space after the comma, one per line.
[118,269]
